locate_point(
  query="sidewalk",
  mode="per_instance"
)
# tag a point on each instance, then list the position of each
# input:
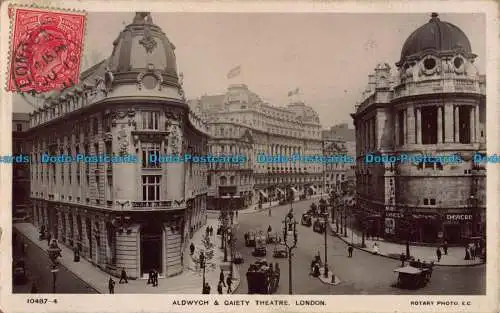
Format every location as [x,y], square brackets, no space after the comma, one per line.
[188,282]
[455,255]
[254,208]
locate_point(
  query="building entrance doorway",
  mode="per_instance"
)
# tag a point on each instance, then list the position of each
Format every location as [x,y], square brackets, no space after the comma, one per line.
[151,248]
[453,233]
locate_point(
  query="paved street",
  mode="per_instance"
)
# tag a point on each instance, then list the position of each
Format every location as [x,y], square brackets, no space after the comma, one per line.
[38,269]
[363,274]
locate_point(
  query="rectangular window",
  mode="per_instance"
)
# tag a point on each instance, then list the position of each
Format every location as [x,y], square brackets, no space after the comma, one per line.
[428,123]
[433,201]
[78,180]
[464,114]
[150,120]
[151,187]
[149,151]
[426,201]
[95,126]
[62,169]
[401,130]
[19,127]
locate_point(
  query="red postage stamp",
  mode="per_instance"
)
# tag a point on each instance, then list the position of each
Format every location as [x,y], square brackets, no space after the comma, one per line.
[46,49]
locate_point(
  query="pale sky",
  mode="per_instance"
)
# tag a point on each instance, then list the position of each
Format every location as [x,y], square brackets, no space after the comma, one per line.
[327,55]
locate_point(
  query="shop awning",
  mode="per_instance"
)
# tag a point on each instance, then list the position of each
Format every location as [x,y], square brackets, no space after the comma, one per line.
[263,194]
[280,191]
[294,190]
[312,188]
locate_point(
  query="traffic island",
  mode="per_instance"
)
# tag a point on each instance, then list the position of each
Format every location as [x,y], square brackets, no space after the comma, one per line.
[331,279]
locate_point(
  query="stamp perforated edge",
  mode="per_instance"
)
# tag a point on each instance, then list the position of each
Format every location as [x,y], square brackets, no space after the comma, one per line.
[14,7]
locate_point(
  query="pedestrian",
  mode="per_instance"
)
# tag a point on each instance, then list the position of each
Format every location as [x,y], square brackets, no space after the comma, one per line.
[221,278]
[219,287]
[236,214]
[123,276]
[473,251]
[155,278]
[402,258]
[207,231]
[206,289]
[111,285]
[438,254]
[350,249]
[191,248]
[34,288]
[445,247]
[150,277]
[467,253]
[229,282]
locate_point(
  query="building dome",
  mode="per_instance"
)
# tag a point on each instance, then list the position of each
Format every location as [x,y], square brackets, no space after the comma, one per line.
[143,46]
[436,36]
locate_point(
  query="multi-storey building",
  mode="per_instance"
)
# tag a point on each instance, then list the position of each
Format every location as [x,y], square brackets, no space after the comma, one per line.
[125,211]
[20,167]
[434,106]
[241,122]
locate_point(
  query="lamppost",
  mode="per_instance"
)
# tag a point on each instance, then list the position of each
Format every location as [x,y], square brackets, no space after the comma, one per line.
[231,242]
[363,227]
[290,240]
[472,206]
[325,216]
[202,266]
[54,253]
[345,218]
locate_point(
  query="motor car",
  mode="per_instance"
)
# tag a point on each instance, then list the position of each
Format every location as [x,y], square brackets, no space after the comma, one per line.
[319,226]
[306,220]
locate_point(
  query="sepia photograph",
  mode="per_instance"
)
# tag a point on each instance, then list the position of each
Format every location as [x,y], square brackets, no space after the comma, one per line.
[259,154]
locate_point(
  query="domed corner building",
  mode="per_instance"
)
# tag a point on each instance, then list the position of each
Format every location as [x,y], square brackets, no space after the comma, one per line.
[434,105]
[129,211]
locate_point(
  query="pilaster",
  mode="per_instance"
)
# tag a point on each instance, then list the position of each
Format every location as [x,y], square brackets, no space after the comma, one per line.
[439,124]
[448,123]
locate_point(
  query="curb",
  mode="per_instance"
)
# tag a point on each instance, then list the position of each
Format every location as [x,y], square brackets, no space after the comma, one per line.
[395,258]
[60,263]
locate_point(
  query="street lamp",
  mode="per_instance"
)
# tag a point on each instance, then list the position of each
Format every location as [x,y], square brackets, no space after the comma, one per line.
[325,216]
[345,219]
[202,266]
[54,253]
[290,241]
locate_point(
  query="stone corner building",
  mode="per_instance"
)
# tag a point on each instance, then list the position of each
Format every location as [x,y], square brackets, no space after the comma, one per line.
[138,215]
[434,105]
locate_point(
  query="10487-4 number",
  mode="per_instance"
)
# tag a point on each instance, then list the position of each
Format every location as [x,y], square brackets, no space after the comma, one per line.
[37,300]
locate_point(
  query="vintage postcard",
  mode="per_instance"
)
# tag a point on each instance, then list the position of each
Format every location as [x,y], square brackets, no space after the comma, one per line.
[249,156]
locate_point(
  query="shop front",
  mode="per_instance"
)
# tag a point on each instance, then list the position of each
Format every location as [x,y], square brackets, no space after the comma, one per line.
[414,227]
[457,227]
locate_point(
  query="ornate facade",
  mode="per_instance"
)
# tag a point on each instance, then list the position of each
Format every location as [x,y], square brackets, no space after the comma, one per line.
[433,106]
[127,211]
[241,123]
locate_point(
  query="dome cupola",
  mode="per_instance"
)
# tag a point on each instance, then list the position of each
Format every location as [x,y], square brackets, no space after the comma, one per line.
[435,37]
[143,47]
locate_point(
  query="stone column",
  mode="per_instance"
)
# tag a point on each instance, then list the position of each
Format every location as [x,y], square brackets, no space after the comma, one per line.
[405,126]
[411,124]
[440,124]
[419,125]
[396,128]
[476,123]
[457,124]
[472,127]
[448,123]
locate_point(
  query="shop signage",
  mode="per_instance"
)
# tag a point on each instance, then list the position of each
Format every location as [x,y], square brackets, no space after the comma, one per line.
[394,214]
[459,217]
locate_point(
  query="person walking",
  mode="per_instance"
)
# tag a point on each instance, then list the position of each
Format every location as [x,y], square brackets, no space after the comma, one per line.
[206,289]
[350,249]
[191,248]
[123,276]
[111,285]
[438,254]
[219,287]
[402,258]
[150,277]
[34,288]
[445,247]
[155,278]
[229,282]
[221,278]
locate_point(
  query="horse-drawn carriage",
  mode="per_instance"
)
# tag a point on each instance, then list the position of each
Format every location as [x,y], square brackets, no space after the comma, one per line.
[306,220]
[263,278]
[414,275]
[250,239]
[319,226]
[280,251]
